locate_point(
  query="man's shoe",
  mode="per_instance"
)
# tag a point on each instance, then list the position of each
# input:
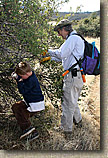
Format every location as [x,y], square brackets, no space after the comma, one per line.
[59,129]
[33,136]
[27,132]
[67,132]
[79,124]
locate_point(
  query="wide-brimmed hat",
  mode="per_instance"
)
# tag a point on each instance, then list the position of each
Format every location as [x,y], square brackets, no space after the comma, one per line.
[62,23]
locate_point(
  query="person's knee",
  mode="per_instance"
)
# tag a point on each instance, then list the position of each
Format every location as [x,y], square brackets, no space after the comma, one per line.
[17,106]
[14,107]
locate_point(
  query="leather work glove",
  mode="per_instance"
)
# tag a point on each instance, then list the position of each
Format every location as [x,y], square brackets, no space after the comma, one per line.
[45,56]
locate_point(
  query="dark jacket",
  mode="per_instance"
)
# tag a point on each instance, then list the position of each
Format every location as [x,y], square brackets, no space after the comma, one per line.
[30,89]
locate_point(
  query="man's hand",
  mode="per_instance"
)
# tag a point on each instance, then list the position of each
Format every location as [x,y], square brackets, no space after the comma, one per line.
[45,56]
[45,59]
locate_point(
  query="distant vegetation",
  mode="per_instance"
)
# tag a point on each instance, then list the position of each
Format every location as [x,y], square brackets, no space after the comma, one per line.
[89,26]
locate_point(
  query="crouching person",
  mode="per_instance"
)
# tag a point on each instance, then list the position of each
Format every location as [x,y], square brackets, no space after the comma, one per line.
[33,101]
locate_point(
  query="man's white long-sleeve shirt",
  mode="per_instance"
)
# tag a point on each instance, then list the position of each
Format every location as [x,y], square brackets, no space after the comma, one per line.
[74,45]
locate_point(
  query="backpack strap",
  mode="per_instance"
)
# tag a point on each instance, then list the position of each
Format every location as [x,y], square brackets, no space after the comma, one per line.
[79,62]
[80,36]
[99,59]
[93,44]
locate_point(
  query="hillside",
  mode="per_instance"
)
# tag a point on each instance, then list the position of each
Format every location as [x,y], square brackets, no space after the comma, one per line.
[76,16]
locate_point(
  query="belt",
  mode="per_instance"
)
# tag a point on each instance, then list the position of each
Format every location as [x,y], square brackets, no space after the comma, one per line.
[74,72]
[67,71]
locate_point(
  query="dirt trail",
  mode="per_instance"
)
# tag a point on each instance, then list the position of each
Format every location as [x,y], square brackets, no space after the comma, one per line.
[94,96]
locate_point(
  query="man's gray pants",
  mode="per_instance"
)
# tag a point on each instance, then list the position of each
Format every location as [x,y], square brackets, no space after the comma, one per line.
[71,92]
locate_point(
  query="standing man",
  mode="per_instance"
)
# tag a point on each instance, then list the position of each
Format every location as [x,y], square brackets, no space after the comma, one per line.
[73,83]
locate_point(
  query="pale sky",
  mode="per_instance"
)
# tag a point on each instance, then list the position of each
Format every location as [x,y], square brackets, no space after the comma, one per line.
[88,5]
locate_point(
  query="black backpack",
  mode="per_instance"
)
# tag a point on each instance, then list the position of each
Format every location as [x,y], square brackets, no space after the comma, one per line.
[91,61]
